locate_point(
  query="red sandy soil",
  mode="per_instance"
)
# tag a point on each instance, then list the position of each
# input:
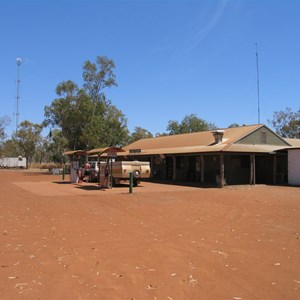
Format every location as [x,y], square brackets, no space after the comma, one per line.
[74,241]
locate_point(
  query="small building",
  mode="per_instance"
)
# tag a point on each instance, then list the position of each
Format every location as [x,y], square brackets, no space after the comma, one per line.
[293,154]
[294,166]
[239,155]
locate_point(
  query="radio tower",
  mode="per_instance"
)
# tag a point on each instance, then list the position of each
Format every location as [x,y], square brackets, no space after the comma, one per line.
[257,76]
[18,61]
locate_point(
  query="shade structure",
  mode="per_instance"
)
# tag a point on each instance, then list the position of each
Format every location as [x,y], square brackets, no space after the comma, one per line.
[108,150]
[75,152]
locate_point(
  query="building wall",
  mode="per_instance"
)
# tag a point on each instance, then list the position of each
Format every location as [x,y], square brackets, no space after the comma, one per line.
[264,167]
[237,169]
[211,167]
[294,166]
[262,136]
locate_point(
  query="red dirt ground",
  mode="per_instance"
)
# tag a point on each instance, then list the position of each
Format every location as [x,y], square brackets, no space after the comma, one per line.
[74,241]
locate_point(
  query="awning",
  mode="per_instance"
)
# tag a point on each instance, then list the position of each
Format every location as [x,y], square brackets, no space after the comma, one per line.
[75,152]
[107,151]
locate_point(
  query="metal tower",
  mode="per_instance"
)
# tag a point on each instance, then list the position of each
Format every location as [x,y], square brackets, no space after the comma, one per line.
[18,61]
[257,76]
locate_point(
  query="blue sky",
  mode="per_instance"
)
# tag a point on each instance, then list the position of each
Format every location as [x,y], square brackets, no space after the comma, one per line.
[173,58]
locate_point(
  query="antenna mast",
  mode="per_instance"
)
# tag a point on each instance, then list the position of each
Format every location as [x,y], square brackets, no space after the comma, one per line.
[18,62]
[257,74]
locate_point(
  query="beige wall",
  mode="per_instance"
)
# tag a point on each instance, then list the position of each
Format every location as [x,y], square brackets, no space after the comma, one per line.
[255,138]
[294,166]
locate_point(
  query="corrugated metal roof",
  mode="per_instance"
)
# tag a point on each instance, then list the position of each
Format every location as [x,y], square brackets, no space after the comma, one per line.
[241,148]
[196,142]
[73,152]
[253,148]
[293,142]
[100,151]
[174,150]
[201,142]
[96,151]
[192,141]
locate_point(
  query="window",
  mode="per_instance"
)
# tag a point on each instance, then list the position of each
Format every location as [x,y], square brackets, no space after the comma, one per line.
[263,137]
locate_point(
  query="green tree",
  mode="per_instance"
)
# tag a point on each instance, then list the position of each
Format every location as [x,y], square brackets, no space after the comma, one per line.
[286,123]
[11,148]
[157,134]
[98,76]
[139,133]
[57,146]
[190,123]
[41,152]
[72,112]
[85,116]
[233,125]
[115,127]
[28,136]
[4,122]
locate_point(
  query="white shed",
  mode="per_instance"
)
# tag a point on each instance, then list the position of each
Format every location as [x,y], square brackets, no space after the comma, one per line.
[294,166]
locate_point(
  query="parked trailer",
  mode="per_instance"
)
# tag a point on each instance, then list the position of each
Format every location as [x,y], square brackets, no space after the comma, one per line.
[121,171]
[13,162]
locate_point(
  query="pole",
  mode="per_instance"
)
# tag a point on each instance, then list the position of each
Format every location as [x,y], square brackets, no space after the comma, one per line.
[64,172]
[222,170]
[18,61]
[99,170]
[130,182]
[111,176]
[257,75]
[202,169]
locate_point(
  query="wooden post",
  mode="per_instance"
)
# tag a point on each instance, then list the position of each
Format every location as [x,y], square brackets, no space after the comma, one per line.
[254,171]
[64,172]
[99,170]
[152,166]
[222,170]
[251,169]
[174,167]
[202,166]
[274,169]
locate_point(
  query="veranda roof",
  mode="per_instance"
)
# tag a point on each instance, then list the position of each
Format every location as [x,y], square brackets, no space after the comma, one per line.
[75,152]
[100,151]
[199,142]
[195,139]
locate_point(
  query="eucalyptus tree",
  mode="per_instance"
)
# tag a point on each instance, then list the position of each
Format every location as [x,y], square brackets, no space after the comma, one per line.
[86,117]
[42,153]
[233,125]
[11,148]
[140,133]
[27,137]
[286,123]
[57,146]
[190,123]
[97,76]
[71,112]
[4,121]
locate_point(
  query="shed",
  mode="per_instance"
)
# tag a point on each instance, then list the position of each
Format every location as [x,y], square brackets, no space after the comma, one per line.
[294,166]
[293,161]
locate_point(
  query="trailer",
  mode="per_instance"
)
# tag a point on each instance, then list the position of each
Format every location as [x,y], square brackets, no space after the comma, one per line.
[112,173]
[13,162]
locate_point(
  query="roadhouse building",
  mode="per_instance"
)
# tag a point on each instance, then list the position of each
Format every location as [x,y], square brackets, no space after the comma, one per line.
[240,155]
